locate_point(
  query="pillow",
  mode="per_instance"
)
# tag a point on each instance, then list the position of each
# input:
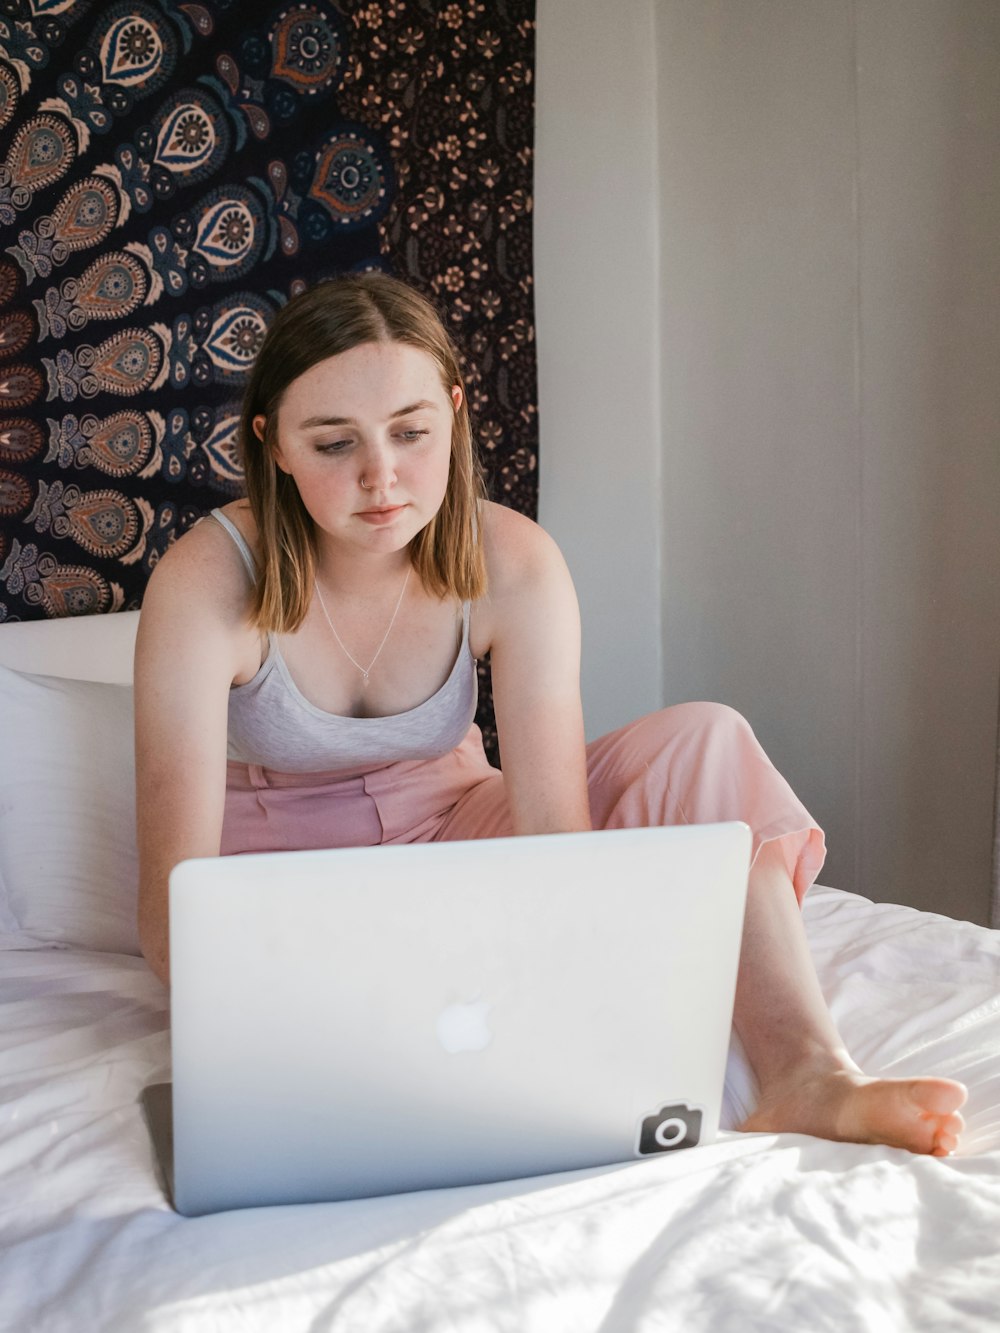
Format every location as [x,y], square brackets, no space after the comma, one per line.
[68,858]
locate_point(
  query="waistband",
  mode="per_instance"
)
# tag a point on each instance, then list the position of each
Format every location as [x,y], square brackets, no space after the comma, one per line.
[247,777]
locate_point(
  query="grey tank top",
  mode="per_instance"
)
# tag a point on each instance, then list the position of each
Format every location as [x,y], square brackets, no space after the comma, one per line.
[272,724]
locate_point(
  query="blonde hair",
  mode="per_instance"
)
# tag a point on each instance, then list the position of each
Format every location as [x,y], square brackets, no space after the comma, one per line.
[323,321]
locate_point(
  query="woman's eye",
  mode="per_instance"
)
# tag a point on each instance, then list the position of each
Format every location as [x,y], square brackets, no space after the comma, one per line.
[411,435]
[333,447]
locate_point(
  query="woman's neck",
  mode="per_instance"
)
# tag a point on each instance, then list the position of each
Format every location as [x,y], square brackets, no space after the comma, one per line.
[347,575]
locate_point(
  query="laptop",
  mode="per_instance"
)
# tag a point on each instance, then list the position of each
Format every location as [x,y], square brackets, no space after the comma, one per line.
[377,1020]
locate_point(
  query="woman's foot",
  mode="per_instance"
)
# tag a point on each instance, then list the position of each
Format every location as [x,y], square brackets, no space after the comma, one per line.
[920,1114]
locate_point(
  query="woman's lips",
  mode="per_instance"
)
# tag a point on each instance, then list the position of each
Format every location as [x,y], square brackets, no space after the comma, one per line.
[379,516]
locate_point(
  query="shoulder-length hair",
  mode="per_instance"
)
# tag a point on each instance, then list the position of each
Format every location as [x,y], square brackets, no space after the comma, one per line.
[323,321]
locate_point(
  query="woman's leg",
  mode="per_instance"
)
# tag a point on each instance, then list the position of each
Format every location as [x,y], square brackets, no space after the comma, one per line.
[699,763]
[808,1082]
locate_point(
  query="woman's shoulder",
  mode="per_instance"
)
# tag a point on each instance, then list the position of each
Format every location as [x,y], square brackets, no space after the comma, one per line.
[205,565]
[207,540]
[239,514]
[516,548]
[530,594]
[528,582]
[197,603]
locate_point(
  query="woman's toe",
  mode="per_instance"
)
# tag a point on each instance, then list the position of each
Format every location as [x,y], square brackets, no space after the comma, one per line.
[944,1143]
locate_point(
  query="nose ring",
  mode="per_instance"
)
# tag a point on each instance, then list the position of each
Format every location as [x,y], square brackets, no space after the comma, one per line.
[364,485]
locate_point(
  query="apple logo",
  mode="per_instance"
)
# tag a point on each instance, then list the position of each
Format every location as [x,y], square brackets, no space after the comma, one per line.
[464,1027]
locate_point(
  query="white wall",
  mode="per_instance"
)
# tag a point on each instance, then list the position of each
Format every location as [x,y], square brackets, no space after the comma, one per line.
[766,276]
[829,215]
[760,382]
[596,309]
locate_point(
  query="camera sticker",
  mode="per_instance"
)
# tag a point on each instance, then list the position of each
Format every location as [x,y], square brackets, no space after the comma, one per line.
[673,1125]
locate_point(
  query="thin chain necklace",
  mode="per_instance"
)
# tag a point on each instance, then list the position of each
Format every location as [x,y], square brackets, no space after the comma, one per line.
[364,670]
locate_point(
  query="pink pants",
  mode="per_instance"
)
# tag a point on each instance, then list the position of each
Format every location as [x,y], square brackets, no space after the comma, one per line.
[695,763]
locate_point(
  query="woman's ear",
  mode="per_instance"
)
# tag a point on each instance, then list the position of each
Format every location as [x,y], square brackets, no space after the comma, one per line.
[456,396]
[259,424]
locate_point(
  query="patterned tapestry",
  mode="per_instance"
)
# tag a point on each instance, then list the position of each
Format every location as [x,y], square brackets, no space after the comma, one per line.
[170,174]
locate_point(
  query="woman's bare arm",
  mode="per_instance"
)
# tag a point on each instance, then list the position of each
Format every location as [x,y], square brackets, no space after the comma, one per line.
[533,625]
[189,637]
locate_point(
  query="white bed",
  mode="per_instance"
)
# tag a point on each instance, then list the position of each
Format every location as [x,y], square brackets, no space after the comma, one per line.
[754,1232]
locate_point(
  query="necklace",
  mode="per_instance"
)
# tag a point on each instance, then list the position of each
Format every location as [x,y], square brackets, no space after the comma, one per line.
[364,670]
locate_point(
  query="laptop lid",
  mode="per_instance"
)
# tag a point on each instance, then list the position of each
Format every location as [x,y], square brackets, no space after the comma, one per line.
[369,1021]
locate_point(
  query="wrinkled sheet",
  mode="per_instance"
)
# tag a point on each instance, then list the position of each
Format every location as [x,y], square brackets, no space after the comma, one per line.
[754,1232]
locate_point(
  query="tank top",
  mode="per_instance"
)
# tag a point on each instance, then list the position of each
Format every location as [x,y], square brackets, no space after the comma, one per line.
[272,724]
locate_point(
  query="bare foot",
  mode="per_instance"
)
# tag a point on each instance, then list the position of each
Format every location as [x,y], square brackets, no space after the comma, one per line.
[920,1114]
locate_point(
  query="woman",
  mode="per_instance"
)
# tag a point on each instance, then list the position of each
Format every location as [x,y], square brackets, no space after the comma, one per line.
[305,677]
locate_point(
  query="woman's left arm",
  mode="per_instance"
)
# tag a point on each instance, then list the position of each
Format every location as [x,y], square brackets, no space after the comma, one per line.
[534,628]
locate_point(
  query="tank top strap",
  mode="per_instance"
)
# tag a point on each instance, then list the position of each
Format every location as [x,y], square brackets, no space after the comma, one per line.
[238,538]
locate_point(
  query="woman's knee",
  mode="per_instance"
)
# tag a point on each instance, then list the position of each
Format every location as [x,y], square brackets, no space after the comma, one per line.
[683,733]
[699,722]
[669,767]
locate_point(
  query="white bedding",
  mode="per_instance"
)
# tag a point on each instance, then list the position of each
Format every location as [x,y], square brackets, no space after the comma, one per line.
[755,1232]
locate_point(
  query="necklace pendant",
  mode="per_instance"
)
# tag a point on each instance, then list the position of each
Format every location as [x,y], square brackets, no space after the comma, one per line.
[364,678]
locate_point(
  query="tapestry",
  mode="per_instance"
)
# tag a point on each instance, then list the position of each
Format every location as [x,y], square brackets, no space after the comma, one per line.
[170,174]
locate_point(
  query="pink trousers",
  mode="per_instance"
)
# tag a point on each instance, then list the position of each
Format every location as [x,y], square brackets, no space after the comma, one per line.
[694,763]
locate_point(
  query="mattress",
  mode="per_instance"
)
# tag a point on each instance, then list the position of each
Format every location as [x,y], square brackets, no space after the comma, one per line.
[753,1232]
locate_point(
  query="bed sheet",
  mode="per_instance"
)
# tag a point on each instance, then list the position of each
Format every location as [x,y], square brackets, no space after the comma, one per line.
[754,1232]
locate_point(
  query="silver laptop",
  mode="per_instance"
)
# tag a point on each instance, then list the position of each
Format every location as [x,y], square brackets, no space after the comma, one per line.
[382,1019]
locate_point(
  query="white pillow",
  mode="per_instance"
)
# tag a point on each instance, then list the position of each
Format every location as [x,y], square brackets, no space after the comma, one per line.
[68,859]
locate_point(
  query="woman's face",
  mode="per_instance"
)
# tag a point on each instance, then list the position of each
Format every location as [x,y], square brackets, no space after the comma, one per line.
[366,436]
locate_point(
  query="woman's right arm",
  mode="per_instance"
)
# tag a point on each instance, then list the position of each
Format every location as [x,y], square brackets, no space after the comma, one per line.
[186,656]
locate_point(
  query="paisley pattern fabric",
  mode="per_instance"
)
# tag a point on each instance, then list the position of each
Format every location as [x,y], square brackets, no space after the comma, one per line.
[170,174]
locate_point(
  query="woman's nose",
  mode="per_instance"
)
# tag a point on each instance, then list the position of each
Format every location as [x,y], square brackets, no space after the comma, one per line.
[379,473]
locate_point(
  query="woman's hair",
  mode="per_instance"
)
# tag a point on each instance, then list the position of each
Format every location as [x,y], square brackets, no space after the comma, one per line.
[324,321]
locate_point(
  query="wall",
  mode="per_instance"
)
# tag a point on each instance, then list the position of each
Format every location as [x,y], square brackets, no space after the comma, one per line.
[818,232]
[597,312]
[829,214]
